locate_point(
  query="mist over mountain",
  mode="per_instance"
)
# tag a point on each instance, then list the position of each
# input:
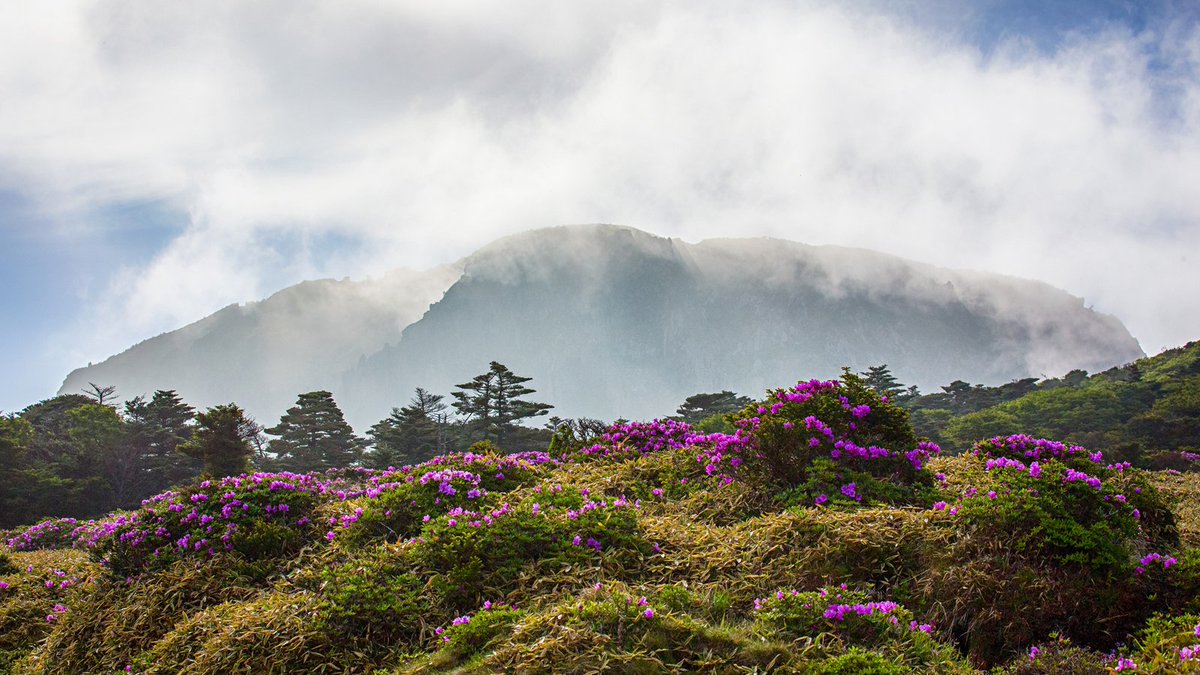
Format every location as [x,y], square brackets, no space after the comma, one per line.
[611,321]
[262,354]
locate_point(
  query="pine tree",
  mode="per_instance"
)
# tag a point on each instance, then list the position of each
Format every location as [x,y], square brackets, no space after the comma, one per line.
[314,436]
[221,440]
[700,407]
[880,379]
[155,430]
[492,403]
[410,434]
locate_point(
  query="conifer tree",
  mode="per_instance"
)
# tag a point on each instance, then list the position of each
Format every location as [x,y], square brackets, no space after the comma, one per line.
[154,431]
[410,434]
[699,407]
[221,440]
[314,436]
[492,403]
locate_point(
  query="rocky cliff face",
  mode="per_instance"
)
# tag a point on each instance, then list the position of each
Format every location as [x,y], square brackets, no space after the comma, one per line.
[611,321]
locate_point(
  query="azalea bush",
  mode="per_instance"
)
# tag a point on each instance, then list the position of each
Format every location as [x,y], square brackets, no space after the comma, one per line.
[866,630]
[1047,498]
[838,441]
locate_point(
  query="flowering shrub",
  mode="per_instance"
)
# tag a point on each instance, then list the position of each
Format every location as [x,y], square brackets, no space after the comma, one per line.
[49,534]
[1169,644]
[397,503]
[861,624]
[466,552]
[470,634]
[839,442]
[1061,501]
[259,515]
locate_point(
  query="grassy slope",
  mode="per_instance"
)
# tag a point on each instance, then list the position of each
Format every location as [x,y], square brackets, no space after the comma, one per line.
[716,566]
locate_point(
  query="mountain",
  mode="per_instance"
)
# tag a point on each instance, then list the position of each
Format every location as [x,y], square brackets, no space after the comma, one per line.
[262,354]
[612,321]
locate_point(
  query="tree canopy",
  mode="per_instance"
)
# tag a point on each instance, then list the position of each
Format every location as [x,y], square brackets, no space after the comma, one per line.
[314,436]
[699,407]
[410,434]
[221,440]
[492,403]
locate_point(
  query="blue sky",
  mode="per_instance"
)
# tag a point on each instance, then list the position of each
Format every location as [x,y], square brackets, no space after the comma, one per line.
[161,160]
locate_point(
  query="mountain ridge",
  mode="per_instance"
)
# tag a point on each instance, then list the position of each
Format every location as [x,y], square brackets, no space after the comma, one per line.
[611,320]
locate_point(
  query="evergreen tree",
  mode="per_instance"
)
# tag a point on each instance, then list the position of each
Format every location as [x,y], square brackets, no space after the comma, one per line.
[221,440]
[410,434]
[880,379]
[155,430]
[491,403]
[314,436]
[699,407]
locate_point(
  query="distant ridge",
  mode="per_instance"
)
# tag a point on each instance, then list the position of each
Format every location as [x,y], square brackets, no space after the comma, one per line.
[610,320]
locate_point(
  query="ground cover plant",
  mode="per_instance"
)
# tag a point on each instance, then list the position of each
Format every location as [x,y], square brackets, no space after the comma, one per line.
[814,532]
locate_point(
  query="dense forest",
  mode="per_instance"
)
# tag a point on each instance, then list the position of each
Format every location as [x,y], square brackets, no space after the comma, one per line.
[818,529]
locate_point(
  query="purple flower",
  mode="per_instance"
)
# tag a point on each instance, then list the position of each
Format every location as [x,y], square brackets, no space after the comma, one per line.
[649,613]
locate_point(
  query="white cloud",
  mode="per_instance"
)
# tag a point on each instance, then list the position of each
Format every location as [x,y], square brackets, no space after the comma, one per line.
[422,130]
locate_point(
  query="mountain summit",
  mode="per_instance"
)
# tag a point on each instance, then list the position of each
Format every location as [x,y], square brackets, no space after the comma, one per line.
[612,321]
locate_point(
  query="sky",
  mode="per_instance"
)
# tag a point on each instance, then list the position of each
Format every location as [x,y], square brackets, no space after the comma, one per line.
[160,160]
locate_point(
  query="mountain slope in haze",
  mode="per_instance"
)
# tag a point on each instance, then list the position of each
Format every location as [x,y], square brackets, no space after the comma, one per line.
[262,354]
[614,321]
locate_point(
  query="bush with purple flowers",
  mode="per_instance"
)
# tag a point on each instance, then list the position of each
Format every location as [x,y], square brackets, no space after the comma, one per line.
[856,621]
[837,442]
[1056,500]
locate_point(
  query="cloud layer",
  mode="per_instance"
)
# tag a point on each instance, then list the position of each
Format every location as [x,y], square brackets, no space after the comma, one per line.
[346,138]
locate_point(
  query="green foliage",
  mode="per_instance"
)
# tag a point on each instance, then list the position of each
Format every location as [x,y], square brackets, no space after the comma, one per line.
[1158,645]
[154,431]
[699,407]
[314,436]
[1136,412]
[221,440]
[410,434]
[1070,507]
[492,402]
[375,597]
[468,638]
[829,440]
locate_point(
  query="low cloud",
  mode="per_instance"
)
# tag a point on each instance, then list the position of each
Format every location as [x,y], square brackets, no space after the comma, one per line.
[333,139]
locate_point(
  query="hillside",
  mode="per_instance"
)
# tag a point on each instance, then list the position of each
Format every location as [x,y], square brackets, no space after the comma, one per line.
[820,536]
[1147,411]
[613,321]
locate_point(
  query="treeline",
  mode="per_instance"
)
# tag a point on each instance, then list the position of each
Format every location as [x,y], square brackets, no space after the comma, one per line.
[1146,412]
[79,455]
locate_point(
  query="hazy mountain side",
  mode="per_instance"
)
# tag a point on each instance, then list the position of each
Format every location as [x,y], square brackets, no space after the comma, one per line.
[611,321]
[262,354]
[1050,330]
